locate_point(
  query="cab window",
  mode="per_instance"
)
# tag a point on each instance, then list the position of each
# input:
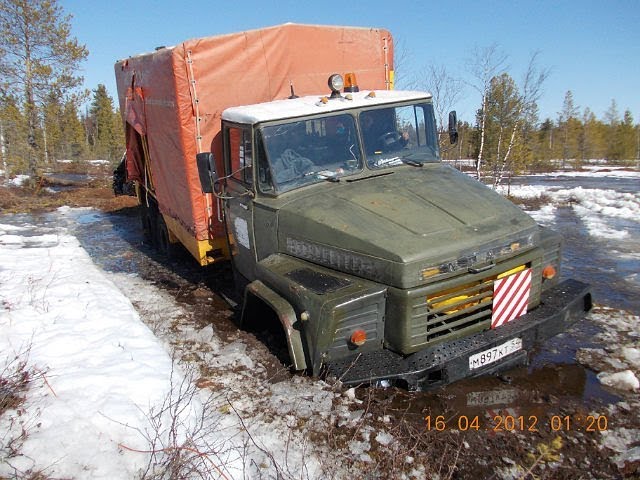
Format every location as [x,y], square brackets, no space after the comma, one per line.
[264,169]
[240,154]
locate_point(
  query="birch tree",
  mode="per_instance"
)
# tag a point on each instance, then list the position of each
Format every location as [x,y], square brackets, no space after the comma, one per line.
[38,54]
[503,110]
[509,112]
[484,64]
[525,109]
[446,91]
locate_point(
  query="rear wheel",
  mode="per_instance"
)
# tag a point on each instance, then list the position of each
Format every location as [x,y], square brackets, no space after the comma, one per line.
[162,242]
[148,218]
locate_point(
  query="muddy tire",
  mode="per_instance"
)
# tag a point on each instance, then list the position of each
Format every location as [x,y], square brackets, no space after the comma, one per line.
[162,242]
[261,321]
[148,219]
[240,283]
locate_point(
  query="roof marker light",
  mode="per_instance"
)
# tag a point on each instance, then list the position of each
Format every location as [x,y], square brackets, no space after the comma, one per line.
[350,83]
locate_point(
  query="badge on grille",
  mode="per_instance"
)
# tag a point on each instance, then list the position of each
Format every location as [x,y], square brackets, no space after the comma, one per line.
[510,297]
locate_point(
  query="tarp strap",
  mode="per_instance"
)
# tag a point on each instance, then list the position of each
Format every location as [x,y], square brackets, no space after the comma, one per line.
[194,100]
[147,172]
[385,47]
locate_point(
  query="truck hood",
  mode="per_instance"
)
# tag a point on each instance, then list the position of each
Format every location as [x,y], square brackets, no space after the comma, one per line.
[394,226]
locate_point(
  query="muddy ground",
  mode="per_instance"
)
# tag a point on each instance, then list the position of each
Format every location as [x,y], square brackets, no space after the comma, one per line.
[551,420]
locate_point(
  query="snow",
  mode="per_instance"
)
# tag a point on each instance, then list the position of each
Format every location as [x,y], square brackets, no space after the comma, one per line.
[107,378]
[384,438]
[593,170]
[18,180]
[623,442]
[625,380]
[100,381]
[597,208]
[618,361]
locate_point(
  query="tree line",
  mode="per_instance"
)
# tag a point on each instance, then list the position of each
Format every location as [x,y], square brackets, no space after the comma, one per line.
[61,131]
[41,95]
[508,137]
[42,118]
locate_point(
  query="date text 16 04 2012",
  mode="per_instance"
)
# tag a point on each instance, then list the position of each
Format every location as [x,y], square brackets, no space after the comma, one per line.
[523,423]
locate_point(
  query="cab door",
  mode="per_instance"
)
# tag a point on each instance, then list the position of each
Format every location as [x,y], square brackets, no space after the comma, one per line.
[239,196]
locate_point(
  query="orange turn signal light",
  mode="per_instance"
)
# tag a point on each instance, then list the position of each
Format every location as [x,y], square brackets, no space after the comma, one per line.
[549,272]
[358,338]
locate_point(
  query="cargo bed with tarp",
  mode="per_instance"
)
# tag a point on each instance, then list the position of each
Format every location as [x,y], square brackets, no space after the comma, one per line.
[172,100]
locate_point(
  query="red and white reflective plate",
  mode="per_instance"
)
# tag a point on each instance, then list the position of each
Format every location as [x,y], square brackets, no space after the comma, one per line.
[510,297]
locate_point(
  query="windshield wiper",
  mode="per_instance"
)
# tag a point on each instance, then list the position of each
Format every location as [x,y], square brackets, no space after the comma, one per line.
[327,175]
[397,160]
[414,163]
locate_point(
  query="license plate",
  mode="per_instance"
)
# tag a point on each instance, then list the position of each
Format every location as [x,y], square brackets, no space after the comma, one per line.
[494,354]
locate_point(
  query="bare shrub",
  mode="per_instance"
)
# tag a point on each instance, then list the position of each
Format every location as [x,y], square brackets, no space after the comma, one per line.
[399,443]
[178,433]
[16,378]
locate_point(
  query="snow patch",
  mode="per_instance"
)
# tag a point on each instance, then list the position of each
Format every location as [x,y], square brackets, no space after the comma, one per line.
[104,368]
[625,380]
[18,180]
[384,438]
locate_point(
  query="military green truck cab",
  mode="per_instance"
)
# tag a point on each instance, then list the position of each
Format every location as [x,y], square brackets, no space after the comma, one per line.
[380,262]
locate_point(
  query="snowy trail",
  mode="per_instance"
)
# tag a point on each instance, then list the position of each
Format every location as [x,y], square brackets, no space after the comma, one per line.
[103,366]
[108,377]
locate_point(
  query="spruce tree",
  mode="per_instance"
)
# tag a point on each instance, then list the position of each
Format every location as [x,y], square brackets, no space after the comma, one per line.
[105,135]
[37,55]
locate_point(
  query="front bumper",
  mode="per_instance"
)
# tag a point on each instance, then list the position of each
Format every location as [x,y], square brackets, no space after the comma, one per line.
[444,363]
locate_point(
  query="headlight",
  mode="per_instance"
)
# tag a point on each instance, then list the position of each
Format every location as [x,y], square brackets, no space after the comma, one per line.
[481,257]
[336,83]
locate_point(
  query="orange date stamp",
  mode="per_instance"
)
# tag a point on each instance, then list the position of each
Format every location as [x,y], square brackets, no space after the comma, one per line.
[518,423]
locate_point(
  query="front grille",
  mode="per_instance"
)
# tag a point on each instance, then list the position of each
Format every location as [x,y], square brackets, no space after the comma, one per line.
[451,312]
[460,310]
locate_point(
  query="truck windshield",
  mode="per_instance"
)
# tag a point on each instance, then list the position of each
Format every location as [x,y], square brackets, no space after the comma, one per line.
[400,134]
[310,151]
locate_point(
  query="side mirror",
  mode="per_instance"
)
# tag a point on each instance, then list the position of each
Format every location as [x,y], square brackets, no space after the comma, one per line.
[206,171]
[453,127]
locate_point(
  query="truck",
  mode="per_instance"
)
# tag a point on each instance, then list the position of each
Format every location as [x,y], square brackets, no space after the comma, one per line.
[288,152]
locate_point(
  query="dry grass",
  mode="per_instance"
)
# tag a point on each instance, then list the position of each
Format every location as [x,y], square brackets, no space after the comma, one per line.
[16,378]
[96,191]
[535,203]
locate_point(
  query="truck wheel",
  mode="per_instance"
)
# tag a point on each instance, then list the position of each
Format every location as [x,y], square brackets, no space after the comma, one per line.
[266,328]
[162,242]
[148,216]
[240,283]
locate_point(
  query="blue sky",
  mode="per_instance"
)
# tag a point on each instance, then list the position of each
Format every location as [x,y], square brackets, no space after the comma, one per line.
[591,47]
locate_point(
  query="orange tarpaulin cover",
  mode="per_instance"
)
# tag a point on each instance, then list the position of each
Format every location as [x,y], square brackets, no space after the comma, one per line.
[166,95]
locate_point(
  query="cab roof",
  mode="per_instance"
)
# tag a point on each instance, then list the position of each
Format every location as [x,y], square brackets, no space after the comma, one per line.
[313,105]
